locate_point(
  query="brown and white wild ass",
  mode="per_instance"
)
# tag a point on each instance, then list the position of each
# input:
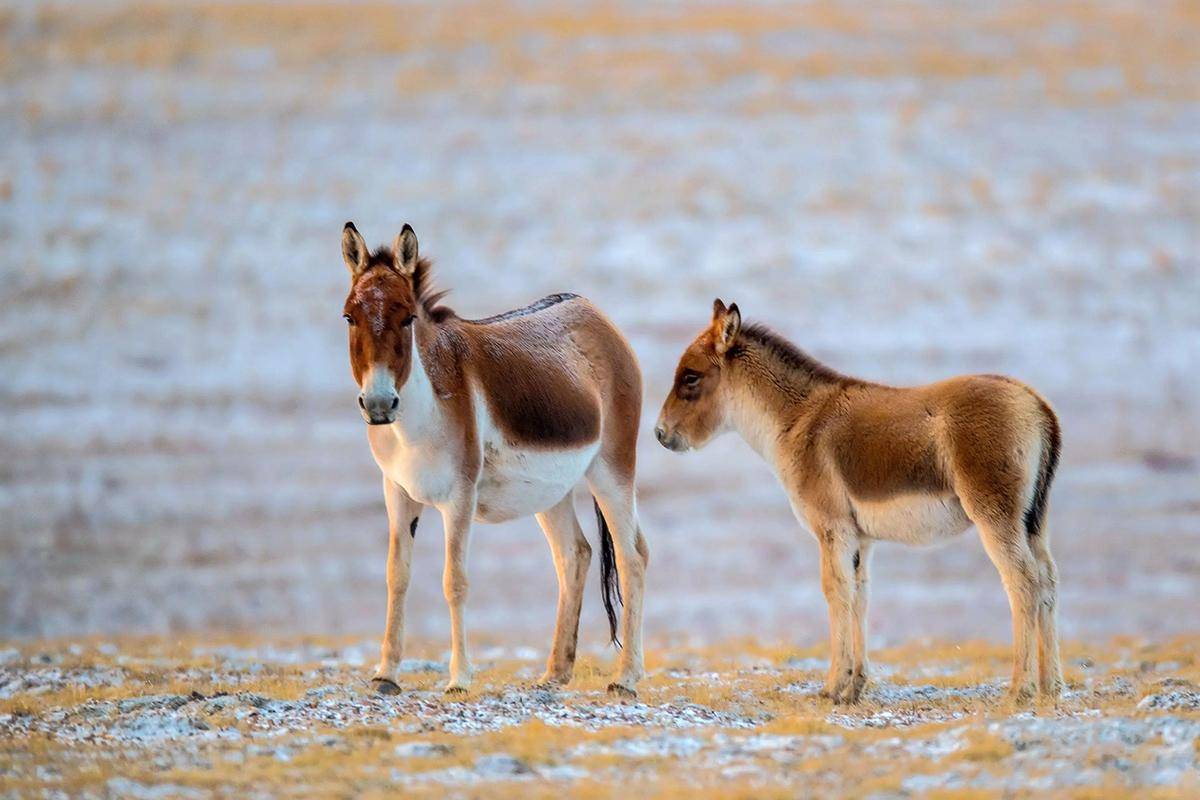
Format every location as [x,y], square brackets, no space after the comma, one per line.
[488,420]
[862,463]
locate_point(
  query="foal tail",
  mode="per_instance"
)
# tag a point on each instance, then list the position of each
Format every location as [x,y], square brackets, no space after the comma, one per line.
[1035,515]
[610,588]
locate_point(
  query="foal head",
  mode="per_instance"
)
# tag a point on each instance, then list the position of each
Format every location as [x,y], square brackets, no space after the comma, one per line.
[384,301]
[695,410]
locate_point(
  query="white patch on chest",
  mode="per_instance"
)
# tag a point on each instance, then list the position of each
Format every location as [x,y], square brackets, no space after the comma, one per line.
[424,468]
[912,519]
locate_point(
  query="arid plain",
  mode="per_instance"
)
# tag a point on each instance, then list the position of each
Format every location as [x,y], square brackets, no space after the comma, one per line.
[187,503]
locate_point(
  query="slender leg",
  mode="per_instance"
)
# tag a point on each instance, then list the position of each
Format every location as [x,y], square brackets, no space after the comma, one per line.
[838,546]
[619,507]
[456,519]
[572,555]
[403,513]
[861,562]
[1050,677]
[1007,545]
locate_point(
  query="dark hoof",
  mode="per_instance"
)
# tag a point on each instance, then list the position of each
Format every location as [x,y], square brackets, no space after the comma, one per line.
[455,691]
[385,686]
[623,692]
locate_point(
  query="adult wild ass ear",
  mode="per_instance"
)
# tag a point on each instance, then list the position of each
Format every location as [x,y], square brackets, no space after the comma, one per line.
[727,322]
[405,248]
[354,250]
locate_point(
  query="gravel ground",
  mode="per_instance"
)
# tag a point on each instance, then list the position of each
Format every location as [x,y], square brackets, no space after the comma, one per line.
[158,719]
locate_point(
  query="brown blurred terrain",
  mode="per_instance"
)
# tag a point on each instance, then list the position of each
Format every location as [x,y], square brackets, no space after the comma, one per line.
[908,193]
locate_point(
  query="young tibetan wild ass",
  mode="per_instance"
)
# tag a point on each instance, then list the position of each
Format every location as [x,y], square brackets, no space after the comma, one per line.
[488,420]
[863,462]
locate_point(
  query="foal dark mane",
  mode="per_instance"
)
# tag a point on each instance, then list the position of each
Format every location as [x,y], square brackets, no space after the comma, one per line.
[786,353]
[428,298]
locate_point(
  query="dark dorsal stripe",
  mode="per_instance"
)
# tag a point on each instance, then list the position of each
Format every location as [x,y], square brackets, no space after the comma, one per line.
[532,308]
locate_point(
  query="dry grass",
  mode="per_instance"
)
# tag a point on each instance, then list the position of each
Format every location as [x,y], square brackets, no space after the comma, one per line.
[959,745]
[667,55]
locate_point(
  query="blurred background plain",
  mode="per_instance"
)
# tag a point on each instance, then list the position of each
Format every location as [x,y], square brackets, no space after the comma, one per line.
[908,191]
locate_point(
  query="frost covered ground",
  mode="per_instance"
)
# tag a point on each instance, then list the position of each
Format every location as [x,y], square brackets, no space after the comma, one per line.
[243,718]
[908,191]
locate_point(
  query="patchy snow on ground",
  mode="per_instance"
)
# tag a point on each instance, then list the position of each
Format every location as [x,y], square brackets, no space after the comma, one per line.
[305,726]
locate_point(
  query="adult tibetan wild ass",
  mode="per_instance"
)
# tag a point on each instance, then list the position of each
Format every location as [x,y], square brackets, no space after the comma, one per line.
[863,462]
[492,419]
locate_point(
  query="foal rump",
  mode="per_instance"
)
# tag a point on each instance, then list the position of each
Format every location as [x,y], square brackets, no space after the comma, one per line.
[1035,515]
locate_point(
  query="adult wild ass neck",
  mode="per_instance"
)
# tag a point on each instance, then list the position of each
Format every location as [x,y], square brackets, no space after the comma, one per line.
[488,420]
[861,462]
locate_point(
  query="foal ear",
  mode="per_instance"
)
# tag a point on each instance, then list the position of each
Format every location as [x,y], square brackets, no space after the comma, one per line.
[405,248]
[718,309]
[354,250]
[726,327]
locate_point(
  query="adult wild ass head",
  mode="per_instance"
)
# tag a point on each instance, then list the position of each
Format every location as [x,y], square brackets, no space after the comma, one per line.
[388,293]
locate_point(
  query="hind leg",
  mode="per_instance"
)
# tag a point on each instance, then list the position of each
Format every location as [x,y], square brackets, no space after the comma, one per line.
[615,496]
[572,554]
[1050,677]
[1007,546]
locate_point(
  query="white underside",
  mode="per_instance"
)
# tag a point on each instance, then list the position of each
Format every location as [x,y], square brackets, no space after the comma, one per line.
[917,519]
[516,482]
[513,481]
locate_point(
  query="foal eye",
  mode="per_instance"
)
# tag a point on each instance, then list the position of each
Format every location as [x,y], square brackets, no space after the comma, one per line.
[349,320]
[691,379]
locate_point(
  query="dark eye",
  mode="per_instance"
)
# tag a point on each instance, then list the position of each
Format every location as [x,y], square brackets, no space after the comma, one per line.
[348,318]
[690,379]
[408,321]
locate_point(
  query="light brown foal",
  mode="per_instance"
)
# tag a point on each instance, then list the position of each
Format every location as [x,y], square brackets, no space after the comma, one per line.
[863,462]
[493,419]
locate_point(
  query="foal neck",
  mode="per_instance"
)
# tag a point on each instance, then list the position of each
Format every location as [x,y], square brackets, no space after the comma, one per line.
[771,385]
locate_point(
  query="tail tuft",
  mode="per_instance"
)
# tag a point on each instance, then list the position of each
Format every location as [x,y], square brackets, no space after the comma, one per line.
[610,587]
[1035,515]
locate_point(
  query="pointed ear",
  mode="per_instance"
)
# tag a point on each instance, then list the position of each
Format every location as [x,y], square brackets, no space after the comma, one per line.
[726,327]
[405,248]
[718,309]
[354,250]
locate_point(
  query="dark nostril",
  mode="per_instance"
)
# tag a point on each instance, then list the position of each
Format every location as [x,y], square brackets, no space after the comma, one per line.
[660,432]
[361,404]
[395,402]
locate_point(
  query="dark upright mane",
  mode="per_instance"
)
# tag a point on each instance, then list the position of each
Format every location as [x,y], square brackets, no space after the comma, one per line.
[427,297]
[785,352]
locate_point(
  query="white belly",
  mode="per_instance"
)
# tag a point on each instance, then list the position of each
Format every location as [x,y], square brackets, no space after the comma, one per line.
[912,519]
[517,482]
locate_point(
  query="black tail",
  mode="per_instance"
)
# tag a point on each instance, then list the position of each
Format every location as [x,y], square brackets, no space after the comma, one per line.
[610,588]
[1035,515]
